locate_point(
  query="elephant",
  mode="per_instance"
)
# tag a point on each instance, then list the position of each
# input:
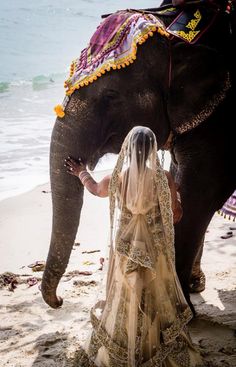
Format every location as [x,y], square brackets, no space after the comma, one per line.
[177,89]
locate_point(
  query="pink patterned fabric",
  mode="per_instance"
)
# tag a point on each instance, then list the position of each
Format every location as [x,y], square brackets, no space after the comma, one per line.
[229,207]
[113,46]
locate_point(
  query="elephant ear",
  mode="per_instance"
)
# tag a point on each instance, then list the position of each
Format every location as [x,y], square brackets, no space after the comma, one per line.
[199,82]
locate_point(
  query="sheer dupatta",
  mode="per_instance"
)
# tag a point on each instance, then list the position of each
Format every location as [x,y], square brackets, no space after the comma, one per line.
[142,319]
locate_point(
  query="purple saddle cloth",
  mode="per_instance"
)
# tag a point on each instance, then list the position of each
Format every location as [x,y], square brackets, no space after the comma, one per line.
[112,46]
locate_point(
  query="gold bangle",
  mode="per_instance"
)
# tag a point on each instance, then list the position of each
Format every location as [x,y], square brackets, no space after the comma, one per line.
[85,180]
[84,177]
[82,173]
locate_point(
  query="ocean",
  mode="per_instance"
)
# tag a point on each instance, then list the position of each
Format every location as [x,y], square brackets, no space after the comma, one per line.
[38,41]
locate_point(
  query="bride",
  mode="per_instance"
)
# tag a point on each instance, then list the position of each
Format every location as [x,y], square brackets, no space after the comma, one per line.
[143,320]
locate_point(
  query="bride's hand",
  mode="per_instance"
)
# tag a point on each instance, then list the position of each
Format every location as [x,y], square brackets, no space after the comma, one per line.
[74,166]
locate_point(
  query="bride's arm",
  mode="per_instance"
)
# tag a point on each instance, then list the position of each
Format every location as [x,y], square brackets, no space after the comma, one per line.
[78,169]
[176,200]
[96,188]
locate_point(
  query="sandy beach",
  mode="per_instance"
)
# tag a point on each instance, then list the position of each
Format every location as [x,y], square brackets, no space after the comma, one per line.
[32,334]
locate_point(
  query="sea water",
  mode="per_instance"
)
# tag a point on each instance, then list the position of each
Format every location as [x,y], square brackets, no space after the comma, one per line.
[38,41]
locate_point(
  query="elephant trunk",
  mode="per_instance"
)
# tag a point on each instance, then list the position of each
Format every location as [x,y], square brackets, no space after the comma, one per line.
[67,200]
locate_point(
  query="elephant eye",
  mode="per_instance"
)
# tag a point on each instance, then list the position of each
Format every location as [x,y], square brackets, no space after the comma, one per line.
[110,98]
[110,94]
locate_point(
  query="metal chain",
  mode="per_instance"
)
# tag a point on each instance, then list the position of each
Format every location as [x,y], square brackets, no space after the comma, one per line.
[162,158]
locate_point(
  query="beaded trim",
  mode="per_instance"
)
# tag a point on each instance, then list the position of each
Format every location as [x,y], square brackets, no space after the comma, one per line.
[171,333]
[206,111]
[171,336]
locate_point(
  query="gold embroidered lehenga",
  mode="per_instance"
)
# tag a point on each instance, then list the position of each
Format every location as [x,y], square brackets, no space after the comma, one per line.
[143,320]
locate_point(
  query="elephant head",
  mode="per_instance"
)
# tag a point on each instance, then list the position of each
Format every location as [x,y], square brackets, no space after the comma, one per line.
[170,85]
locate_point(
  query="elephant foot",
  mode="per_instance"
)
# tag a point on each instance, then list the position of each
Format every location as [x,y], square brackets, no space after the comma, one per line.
[197,282]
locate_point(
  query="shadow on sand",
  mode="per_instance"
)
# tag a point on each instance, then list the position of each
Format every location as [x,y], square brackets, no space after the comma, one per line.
[214,329]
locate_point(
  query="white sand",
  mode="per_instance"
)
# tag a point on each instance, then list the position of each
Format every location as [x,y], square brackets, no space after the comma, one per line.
[32,334]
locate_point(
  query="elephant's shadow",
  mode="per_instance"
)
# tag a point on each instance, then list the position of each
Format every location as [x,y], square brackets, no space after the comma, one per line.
[213,330]
[225,315]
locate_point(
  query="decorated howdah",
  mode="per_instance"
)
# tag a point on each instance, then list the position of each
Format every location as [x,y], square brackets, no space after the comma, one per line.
[190,25]
[114,44]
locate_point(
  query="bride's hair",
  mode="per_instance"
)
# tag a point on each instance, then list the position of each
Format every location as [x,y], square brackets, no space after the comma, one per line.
[142,141]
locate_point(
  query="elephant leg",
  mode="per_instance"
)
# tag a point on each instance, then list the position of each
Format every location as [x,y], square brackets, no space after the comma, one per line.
[189,238]
[197,280]
[206,179]
[199,209]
